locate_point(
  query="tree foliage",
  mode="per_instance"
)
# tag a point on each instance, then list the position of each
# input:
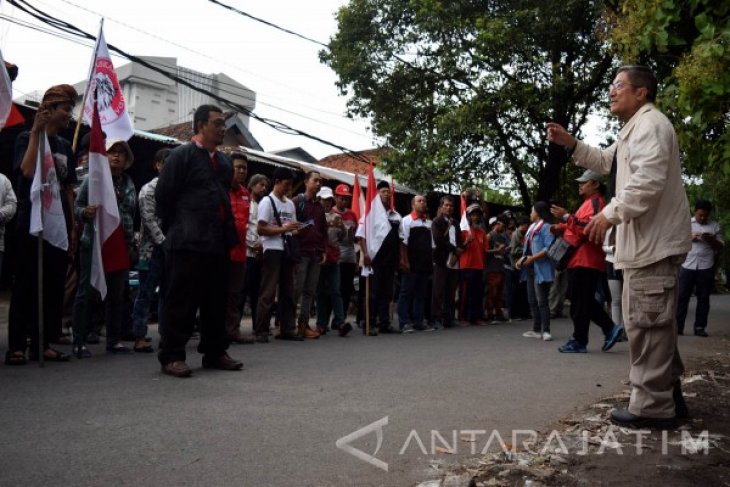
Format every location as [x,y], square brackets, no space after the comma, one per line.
[462,89]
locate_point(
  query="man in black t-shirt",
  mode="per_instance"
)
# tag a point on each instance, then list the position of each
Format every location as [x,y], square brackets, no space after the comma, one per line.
[53,115]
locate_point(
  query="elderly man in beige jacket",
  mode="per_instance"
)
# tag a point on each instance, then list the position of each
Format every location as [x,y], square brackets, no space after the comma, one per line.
[649,214]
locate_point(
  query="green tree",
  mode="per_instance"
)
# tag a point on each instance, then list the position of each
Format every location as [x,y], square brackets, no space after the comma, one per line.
[689,44]
[462,89]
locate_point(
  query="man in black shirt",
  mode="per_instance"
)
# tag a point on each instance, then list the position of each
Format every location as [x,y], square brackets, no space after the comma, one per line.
[192,200]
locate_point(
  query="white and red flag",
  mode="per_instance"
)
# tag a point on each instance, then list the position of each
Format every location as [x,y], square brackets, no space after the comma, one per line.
[46,209]
[464,223]
[104,86]
[377,225]
[357,205]
[109,250]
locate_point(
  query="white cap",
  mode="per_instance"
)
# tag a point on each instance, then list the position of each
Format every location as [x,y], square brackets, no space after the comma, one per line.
[325,193]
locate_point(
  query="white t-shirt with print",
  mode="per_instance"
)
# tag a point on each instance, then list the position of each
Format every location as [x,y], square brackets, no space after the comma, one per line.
[287,213]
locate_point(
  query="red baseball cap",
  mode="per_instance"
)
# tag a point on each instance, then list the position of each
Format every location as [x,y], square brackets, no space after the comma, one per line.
[343,190]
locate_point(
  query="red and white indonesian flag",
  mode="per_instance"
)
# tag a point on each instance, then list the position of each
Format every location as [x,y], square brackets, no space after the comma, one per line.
[46,209]
[109,250]
[357,205]
[464,223]
[376,221]
[104,86]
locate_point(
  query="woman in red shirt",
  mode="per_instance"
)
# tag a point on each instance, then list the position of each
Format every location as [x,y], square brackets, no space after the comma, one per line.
[586,267]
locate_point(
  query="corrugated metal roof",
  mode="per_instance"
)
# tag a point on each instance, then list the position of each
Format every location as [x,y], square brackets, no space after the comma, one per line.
[156,137]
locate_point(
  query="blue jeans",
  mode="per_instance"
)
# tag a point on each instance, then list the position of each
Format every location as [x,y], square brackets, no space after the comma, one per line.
[149,280]
[113,303]
[701,282]
[537,296]
[413,287]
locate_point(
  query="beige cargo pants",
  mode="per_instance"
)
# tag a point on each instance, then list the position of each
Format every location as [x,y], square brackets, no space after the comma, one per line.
[649,307]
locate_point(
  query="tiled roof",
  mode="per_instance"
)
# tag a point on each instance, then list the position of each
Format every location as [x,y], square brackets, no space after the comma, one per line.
[180,131]
[349,163]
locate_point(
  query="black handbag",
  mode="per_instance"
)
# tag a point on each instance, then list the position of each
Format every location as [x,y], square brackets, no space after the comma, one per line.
[292,250]
[560,252]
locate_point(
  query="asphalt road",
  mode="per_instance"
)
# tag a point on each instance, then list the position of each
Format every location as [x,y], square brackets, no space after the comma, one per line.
[115,420]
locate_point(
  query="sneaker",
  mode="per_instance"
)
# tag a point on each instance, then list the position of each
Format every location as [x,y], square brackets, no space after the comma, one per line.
[547,337]
[612,338]
[428,328]
[119,349]
[531,334]
[437,326]
[81,352]
[572,347]
[407,329]
[344,329]
[700,332]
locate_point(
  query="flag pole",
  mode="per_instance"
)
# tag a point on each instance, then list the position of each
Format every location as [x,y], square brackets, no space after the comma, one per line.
[87,90]
[367,305]
[41,319]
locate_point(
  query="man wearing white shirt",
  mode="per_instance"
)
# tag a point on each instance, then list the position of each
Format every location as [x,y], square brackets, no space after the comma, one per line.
[696,273]
[276,269]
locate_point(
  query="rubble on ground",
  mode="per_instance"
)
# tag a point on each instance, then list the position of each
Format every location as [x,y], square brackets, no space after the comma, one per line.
[573,452]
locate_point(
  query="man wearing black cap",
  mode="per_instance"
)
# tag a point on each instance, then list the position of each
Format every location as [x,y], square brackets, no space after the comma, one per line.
[192,200]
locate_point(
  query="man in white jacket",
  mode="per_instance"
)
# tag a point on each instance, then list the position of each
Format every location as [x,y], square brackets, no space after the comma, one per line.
[650,214]
[8,204]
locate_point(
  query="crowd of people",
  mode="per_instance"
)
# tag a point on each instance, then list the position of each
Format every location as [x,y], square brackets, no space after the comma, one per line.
[213,240]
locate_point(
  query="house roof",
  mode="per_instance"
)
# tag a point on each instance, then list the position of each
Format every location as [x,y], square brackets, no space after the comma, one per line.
[235,128]
[180,131]
[350,163]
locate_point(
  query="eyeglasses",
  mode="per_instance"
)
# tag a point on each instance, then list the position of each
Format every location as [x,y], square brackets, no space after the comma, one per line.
[619,85]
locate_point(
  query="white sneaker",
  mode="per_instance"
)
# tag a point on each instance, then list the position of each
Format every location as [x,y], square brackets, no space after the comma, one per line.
[547,337]
[531,334]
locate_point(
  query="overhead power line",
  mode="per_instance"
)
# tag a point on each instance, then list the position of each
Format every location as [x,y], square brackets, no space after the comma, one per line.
[73,30]
[207,56]
[267,23]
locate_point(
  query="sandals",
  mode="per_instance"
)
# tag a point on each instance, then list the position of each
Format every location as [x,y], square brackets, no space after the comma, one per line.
[15,358]
[56,357]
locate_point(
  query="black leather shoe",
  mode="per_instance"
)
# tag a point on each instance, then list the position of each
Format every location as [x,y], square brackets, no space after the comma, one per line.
[700,332]
[622,417]
[389,330]
[292,337]
[680,407]
[224,362]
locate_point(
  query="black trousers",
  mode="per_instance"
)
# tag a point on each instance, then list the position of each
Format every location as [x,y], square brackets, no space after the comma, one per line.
[23,313]
[193,281]
[347,279]
[381,295]
[584,307]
